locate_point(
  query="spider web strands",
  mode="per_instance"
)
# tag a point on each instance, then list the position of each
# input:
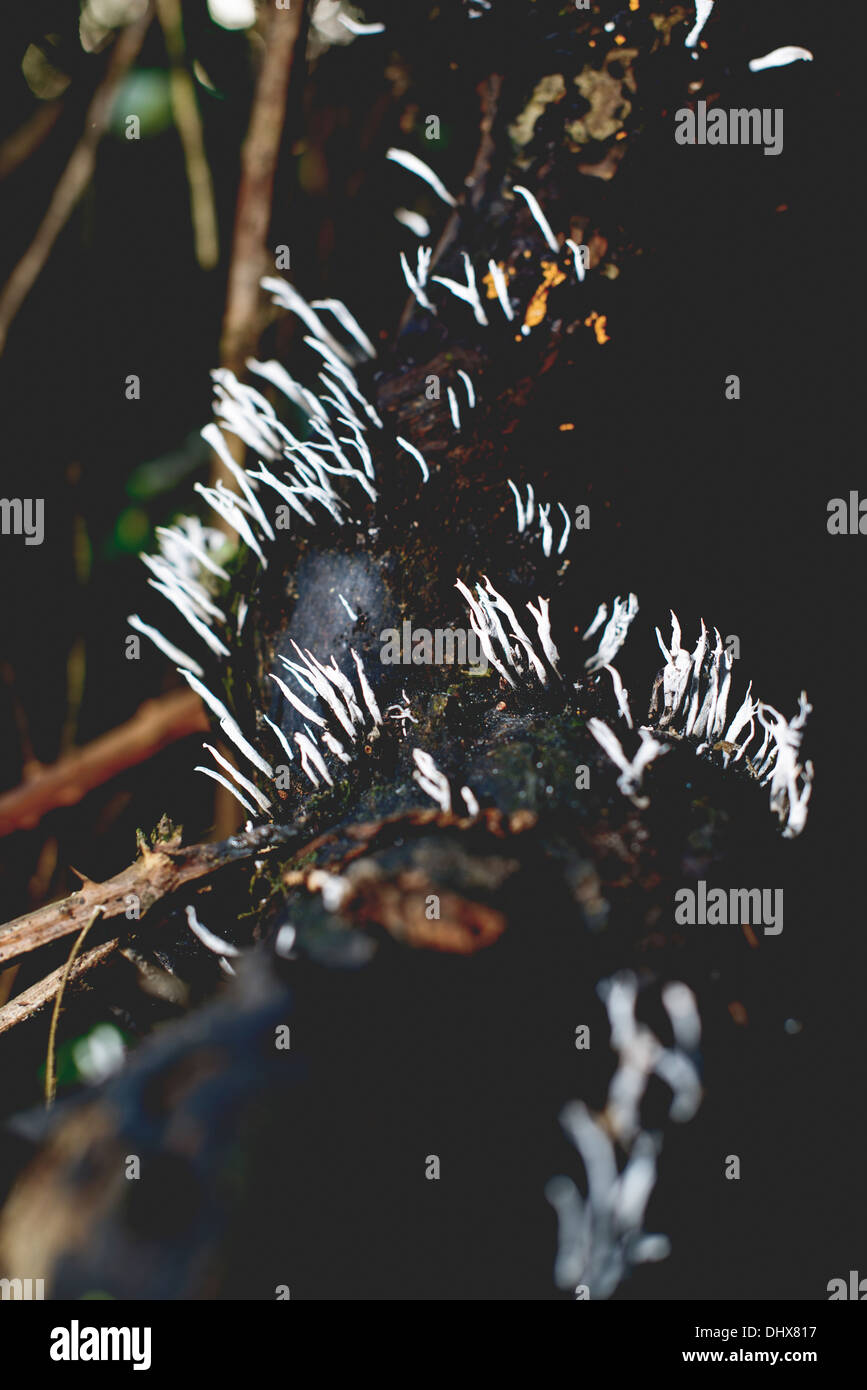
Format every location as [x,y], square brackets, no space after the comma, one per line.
[696,690]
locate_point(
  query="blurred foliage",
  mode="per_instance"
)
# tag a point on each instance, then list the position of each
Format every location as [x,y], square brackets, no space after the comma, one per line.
[90,1057]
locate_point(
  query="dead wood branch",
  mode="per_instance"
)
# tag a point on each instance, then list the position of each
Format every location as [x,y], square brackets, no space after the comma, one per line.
[75,177]
[155,724]
[157,872]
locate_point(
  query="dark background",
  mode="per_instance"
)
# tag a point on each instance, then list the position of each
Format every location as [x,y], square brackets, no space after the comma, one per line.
[731,262]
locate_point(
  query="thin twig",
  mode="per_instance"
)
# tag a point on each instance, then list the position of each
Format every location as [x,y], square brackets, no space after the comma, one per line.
[50,1070]
[31,1001]
[157,872]
[75,177]
[241,322]
[25,141]
[154,725]
[189,124]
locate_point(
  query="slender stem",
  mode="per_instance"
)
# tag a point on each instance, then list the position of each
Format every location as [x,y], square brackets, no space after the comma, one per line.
[75,177]
[241,325]
[50,1069]
[155,724]
[189,124]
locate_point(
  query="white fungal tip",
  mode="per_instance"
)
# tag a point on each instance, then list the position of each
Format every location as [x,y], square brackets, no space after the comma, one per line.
[780,58]
[417,166]
[413,221]
[538,216]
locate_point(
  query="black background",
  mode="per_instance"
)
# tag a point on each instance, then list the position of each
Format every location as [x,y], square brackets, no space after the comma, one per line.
[749,265]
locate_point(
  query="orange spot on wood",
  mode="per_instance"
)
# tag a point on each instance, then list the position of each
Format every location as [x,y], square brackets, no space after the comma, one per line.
[538,306]
[599,323]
